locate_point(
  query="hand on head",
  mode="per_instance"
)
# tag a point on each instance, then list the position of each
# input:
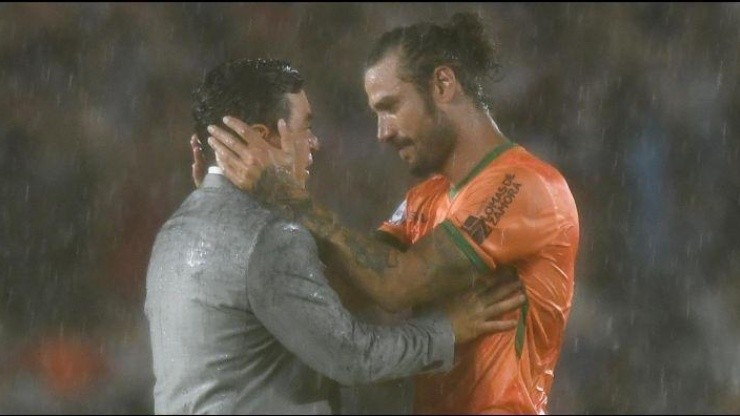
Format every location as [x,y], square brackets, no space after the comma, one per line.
[199,163]
[243,159]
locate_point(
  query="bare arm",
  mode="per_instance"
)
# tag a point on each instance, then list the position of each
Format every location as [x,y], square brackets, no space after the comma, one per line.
[432,268]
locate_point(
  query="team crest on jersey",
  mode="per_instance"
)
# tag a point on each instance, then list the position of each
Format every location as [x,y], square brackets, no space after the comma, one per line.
[399,216]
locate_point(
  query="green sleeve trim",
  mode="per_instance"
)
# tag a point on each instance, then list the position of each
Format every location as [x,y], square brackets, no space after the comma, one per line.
[487,159]
[520,330]
[482,267]
[465,246]
[390,239]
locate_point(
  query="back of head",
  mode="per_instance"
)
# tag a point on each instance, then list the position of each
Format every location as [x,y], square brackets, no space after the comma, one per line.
[253,90]
[461,45]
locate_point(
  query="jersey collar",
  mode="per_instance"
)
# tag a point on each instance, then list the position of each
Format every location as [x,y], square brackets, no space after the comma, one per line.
[487,159]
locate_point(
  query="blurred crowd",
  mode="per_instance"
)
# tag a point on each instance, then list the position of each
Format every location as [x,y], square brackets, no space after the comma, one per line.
[636,104]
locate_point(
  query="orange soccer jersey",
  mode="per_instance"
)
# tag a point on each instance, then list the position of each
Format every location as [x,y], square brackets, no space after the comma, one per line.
[511,209]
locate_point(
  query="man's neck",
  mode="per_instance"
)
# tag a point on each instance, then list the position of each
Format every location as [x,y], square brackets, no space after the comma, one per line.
[478,135]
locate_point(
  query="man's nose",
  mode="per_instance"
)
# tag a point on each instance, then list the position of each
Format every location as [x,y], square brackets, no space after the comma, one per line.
[385,129]
[313,144]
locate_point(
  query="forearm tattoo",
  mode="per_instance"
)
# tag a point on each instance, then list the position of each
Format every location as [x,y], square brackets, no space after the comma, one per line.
[363,251]
[278,189]
[377,257]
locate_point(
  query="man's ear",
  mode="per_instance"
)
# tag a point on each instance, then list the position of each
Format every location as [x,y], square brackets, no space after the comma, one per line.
[266,134]
[272,137]
[444,84]
[262,130]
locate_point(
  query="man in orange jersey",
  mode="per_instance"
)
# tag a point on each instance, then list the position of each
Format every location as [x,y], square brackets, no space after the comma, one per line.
[486,202]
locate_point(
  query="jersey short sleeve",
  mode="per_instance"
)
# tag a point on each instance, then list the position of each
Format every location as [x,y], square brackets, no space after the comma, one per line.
[393,230]
[417,214]
[503,216]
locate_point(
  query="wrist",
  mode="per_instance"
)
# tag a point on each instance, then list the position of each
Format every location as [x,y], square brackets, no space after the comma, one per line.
[277,187]
[319,221]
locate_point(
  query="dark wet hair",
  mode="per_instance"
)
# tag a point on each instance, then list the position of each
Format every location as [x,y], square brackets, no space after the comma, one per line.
[461,44]
[252,90]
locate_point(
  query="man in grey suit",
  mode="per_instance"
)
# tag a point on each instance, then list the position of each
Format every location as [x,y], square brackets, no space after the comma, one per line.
[242,318]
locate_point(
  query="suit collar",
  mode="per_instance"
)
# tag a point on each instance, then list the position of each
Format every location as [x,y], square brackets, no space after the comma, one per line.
[214,180]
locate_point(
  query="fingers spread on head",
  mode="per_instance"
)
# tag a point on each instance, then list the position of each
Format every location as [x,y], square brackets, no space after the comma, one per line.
[250,135]
[224,136]
[225,158]
[227,164]
[218,146]
[243,175]
[237,125]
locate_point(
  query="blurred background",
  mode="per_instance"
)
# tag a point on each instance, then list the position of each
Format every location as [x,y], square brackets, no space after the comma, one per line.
[637,105]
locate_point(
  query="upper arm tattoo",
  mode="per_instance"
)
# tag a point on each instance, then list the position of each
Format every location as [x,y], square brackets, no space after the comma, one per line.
[448,269]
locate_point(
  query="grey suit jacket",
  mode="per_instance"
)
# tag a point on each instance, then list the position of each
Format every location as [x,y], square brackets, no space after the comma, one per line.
[242,319]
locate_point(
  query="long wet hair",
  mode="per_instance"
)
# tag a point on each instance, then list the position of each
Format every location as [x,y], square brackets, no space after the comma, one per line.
[461,45]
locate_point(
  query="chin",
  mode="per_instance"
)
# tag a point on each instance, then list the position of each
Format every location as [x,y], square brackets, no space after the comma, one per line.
[423,169]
